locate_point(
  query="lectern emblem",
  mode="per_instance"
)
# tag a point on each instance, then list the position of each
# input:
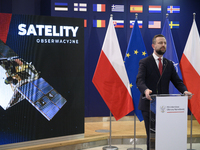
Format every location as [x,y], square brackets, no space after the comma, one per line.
[162,109]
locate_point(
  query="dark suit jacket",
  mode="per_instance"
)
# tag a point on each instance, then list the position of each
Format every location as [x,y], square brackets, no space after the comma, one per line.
[149,76]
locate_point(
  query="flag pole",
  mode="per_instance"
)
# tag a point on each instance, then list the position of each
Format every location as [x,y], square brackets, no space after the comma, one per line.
[191,116]
[167,15]
[134,140]
[191,132]
[110,147]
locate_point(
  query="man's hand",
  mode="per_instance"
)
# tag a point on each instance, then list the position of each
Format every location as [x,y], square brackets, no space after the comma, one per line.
[147,93]
[189,94]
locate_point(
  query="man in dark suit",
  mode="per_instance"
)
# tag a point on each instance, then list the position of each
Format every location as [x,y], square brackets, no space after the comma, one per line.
[151,81]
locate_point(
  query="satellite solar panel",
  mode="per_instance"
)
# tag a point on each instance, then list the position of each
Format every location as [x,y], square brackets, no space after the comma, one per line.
[43,97]
[47,89]
[60,103]
[38,81]
[36,96]
[56,98]
[53,111]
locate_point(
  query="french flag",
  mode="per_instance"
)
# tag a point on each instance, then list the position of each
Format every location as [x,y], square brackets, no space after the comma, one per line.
[99,7]
[110,76]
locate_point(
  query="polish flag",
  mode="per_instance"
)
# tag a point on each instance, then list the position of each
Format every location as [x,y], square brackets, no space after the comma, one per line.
[110,77]
[190,69]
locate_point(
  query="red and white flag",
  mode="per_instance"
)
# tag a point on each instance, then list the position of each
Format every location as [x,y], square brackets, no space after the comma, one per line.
[110,77]
[190,69]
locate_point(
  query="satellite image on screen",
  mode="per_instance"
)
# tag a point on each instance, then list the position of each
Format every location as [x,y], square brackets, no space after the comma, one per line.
[20,80]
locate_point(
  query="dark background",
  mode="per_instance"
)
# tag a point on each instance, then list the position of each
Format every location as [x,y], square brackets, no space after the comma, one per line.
[62,66]
[94,105]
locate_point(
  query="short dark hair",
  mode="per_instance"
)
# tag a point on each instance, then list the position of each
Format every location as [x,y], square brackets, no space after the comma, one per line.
[154,38]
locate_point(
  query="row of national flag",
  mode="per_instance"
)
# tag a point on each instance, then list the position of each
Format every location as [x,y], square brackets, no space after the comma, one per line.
[120,24]
[58,6]
[115,80]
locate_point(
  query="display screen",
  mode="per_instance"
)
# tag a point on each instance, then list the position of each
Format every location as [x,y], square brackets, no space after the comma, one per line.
[41,77]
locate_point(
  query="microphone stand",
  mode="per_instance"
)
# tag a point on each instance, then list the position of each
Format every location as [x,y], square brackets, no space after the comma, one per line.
[161,76]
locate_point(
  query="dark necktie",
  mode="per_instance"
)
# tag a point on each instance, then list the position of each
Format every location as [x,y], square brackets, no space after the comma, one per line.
[160,66]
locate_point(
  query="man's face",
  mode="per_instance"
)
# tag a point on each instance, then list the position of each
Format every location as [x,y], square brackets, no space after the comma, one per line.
[160,45]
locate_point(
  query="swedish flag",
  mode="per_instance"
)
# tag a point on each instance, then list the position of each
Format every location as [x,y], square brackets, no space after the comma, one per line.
[174,24]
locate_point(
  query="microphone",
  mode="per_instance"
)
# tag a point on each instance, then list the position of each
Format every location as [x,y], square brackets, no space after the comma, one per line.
[166,62]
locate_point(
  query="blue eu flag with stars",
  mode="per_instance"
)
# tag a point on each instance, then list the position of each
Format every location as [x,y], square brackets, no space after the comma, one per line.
[135,52]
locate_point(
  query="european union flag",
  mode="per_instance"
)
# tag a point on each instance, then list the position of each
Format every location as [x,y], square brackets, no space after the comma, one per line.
[171,53]
[136,50]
